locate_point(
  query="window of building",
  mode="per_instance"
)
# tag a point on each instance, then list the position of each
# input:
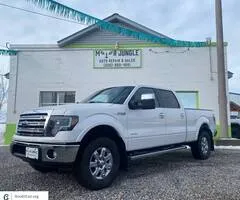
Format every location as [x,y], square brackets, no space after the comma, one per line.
[189,99]
[48,98]
[167,99]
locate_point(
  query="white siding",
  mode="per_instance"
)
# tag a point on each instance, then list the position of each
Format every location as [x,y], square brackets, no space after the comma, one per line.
[106,37]
[72,69]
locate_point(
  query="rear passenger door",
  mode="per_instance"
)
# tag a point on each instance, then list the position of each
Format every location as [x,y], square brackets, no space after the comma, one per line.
[174,116]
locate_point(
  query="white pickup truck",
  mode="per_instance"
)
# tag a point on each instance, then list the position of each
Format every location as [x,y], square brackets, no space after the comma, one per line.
[100,135]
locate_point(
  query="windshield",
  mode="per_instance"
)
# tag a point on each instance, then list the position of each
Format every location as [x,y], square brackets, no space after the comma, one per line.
[116,95]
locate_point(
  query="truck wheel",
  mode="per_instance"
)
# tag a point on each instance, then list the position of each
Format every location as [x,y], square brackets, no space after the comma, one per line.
[41,168]
[99,164]
[201,149]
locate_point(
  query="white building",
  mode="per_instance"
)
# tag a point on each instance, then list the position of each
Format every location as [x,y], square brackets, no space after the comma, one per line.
[84,62]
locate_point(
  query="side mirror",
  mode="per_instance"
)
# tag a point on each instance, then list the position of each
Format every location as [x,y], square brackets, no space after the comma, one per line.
[147,102]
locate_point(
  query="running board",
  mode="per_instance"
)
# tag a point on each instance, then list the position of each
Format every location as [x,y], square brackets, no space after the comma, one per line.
[154,153]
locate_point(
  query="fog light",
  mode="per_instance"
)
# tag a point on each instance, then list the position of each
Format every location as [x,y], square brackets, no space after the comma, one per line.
[51,154]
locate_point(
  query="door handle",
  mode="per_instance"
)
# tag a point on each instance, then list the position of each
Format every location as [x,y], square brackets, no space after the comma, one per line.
[182,116]
[161,115]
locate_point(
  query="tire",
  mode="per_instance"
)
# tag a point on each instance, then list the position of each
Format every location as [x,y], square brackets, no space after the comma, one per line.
[41,168]
[103,154]
[201,149]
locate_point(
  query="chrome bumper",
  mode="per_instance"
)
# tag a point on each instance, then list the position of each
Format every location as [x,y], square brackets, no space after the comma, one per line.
[64,153]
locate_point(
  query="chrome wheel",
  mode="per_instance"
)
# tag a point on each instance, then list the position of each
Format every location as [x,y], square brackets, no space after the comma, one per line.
[204,145]
[101,163]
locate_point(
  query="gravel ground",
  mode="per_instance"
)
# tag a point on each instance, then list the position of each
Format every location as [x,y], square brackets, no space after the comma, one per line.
[171,176]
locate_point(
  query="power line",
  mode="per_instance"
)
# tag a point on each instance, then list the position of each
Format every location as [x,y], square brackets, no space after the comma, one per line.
[37,13]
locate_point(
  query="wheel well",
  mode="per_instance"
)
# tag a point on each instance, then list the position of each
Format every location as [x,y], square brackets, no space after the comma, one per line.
[105,131]
[205,127]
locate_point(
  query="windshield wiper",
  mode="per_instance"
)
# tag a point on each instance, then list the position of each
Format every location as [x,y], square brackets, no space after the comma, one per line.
[95,102]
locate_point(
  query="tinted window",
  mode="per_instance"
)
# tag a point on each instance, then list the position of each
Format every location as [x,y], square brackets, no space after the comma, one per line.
[137,96]
[167,99]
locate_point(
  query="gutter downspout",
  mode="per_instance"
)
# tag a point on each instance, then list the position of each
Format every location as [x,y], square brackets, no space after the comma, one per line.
[209,42]
[16,84]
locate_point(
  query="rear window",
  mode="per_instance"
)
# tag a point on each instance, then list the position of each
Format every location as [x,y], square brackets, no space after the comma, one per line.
[167,99]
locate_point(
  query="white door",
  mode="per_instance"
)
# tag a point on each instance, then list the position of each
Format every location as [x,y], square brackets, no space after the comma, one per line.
[146,127]
[174,115]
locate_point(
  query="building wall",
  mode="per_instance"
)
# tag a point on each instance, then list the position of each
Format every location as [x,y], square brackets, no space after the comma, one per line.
[72,70]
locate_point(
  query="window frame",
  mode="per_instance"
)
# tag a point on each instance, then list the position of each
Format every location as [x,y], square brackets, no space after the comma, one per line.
[132,88]
[159,102]
[197,98]
[153,89]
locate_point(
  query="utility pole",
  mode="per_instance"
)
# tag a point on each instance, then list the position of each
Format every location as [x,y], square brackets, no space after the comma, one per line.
[222,93]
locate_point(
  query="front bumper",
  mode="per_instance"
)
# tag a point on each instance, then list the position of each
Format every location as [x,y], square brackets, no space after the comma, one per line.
[64,153]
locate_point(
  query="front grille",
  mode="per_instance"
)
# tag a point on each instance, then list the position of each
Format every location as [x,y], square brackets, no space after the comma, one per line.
[32,124]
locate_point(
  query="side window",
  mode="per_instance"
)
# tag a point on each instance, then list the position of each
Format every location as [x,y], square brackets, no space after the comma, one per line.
[137,96]
[167,99]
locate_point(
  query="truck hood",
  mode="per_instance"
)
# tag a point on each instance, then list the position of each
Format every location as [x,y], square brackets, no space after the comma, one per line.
[78,109]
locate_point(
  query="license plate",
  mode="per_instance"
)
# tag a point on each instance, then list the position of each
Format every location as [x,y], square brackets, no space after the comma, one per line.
[31,153]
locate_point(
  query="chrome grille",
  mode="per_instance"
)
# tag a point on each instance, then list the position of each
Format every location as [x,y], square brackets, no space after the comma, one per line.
[32,124]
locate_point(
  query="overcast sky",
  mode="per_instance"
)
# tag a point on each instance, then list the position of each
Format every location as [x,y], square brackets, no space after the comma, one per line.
[180,19]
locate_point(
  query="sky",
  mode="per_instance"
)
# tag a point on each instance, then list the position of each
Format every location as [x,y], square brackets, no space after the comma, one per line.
[192,20]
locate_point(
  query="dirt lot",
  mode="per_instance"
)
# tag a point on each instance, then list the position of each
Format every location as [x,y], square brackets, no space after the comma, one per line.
[171,176]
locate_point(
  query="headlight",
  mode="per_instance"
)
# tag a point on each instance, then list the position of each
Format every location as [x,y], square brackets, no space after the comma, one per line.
[58,123]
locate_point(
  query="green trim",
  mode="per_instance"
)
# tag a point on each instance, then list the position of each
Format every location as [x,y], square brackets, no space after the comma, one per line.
[214,44]
[198,100]
[122,46]
[229,131]
[192,91]
[7,52]
[10,131]
[112,46]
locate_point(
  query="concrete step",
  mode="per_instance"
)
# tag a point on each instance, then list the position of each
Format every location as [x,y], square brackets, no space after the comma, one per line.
[227,142]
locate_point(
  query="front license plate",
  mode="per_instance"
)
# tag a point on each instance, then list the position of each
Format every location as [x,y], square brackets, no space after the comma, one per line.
[31,153]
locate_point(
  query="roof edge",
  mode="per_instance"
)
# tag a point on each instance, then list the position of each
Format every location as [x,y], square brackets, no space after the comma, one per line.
[33,46]
[111,18]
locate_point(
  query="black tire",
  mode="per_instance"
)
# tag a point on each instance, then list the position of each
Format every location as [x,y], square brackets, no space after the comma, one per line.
[41,168]
[201,149]
[83,172]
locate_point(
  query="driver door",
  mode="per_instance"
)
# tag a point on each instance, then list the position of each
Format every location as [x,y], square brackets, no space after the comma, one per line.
[145,126]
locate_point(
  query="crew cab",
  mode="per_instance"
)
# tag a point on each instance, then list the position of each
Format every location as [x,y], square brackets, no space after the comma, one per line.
[102,133]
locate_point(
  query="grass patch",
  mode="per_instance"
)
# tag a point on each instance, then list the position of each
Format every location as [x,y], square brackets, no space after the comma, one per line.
[10,131]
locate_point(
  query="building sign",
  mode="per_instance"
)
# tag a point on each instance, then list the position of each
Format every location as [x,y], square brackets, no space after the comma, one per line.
[117,58]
